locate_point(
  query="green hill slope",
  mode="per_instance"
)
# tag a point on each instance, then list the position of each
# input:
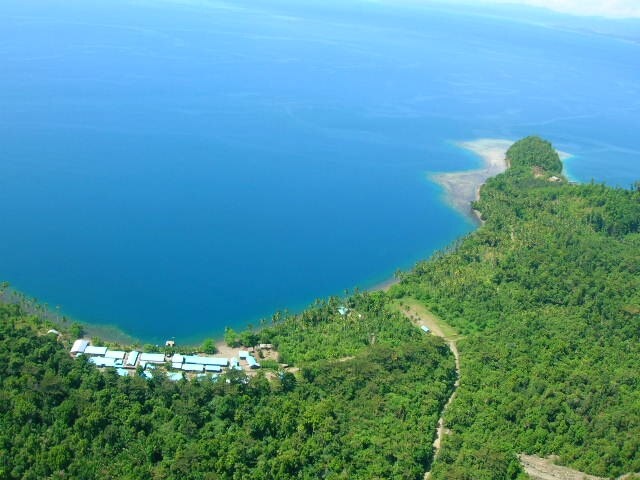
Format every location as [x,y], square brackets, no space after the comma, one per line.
[370,416]
[547,293]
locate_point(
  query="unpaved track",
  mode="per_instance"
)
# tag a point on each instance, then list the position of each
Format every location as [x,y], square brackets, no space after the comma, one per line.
[543,469]
[422,317]
[536,467]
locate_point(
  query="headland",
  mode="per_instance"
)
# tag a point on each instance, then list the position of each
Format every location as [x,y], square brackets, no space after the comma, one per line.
[462,188]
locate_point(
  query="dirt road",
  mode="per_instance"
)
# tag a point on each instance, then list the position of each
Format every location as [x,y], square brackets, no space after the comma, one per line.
[543,469]
[421,316]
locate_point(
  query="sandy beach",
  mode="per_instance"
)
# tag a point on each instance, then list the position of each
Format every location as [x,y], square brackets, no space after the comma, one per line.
[462,188]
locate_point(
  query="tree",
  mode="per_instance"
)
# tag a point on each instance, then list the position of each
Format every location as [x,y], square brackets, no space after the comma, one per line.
[231,338]
[76,330]
[208,346]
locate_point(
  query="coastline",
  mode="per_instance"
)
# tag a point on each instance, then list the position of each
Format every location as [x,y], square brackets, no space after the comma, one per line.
[463,188]
[460,189]
[384,286]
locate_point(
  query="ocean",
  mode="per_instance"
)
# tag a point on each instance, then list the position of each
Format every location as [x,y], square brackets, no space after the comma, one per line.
[172,167]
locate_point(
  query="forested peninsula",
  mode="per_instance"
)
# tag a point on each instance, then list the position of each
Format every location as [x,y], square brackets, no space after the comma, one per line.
[543,301]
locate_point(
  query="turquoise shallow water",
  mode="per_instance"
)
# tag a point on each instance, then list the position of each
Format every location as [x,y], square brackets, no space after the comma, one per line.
[172,167]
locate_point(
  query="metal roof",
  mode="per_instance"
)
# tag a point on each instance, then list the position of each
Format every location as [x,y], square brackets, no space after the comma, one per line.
[103,362]
[177,358]
[115,354]
[152,357]
[91,350]
[212,368]
[122,372]
[252,362]
[132,358]
[243,354]
[79,346]
[425,328]
[223,362]
[174,376]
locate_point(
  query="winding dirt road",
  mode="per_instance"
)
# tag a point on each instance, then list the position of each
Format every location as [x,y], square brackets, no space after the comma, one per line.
[421,316]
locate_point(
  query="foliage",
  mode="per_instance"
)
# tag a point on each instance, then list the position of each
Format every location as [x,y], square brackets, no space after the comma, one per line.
[370,416]
[534,152]
[231,337]
[320,332]
[547,293]
[209,346]
[76,330]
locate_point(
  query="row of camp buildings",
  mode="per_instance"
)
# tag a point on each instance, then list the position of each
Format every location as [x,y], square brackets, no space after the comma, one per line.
[121,360]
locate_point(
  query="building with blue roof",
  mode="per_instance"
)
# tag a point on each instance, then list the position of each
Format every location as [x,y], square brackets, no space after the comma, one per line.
[79,346]
[175,376]
[252,362]
[91,350]
[220,361]
[119,354]
[103,362]
[152,357]
[132,358]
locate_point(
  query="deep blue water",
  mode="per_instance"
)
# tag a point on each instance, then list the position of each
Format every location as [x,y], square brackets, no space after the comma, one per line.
[172,167]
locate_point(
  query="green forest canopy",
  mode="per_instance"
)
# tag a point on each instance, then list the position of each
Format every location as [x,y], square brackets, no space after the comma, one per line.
[354,410]
[546,294]
[534,152]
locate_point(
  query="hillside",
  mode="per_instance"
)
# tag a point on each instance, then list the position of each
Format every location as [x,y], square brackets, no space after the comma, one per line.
[353,417]
[547,296]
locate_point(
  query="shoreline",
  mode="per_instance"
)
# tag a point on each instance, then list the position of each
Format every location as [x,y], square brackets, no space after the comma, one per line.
[462,188]
[384,286]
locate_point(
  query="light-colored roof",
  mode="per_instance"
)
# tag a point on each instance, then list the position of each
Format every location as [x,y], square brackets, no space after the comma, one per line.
[103,362]
[152,357]
[212,368]
[79,346]
[191,367]
[91,350]
[252,362]
[122,372]
[54,331]
[147,374]
[115,354]
[223,362]
[425,328]
[243,354]
[177,358]
[177,365]
[132,358]
[343,310]
[174,376]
